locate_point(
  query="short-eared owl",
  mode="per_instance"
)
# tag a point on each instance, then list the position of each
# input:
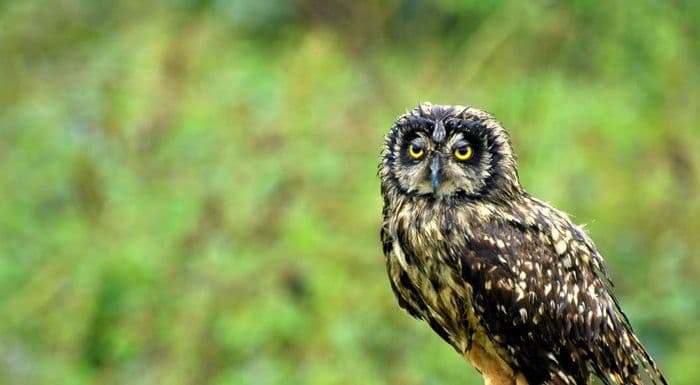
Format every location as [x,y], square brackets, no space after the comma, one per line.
[510,282]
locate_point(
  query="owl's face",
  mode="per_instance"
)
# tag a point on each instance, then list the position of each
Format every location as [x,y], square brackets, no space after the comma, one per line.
[448,151]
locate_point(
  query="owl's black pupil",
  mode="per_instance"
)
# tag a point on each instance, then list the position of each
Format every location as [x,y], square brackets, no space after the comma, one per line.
[462,151]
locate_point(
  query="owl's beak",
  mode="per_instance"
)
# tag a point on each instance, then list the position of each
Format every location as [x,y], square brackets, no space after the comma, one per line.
[435,173]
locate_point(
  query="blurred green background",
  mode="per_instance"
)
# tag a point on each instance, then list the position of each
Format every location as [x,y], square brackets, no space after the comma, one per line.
[189,192]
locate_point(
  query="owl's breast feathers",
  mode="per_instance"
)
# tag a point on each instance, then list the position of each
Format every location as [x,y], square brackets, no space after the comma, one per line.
[520,280]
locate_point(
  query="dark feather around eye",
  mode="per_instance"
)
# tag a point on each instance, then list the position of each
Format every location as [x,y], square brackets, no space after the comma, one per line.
[469,125]
[418,142]
[416,123]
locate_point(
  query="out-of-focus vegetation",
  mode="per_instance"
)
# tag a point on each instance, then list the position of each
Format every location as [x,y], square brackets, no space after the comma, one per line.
[189,192]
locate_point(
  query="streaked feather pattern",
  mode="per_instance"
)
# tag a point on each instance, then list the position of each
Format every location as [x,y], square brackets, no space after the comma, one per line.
[494,270]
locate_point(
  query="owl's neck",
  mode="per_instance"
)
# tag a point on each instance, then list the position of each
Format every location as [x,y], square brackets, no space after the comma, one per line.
[439,215]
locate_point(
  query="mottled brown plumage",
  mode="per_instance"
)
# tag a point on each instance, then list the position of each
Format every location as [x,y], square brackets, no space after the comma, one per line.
[510,282]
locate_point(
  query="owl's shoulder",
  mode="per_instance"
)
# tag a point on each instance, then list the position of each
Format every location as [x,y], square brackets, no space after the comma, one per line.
[531,228]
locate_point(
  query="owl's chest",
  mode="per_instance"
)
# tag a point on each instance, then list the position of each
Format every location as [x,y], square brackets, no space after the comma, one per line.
[425,250]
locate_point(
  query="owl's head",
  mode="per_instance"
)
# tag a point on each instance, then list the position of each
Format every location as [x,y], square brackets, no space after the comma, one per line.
[448,151]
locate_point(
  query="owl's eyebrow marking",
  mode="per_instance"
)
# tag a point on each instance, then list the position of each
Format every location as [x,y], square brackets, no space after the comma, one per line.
[416,121]
[469,124]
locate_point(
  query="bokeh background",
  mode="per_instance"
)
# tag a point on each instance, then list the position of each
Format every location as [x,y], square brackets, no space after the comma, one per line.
[188,190]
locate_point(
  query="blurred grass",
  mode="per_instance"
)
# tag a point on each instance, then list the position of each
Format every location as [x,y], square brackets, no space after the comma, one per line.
[189,189]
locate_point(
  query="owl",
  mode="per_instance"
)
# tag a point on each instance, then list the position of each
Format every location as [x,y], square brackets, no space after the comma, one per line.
[507,280]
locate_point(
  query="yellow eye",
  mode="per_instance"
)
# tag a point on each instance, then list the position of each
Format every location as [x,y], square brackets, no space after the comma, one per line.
[463,153]
[416,152]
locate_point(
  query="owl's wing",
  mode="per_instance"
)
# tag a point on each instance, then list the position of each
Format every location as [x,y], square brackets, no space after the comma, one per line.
[541,291]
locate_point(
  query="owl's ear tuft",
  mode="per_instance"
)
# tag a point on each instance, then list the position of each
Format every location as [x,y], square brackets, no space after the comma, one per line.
[439,132]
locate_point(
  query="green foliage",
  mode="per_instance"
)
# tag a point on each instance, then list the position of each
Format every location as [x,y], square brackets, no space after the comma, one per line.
[189,191]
